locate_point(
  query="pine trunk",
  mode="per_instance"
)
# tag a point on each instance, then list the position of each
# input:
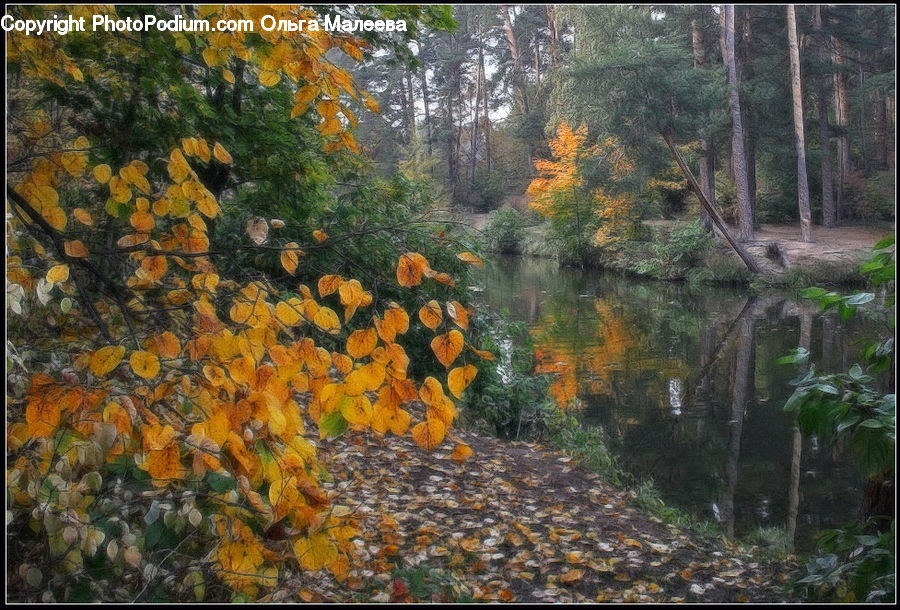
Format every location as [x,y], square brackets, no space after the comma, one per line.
[799,140]
[829,211]
[739,162]
[707,168]
[842,120]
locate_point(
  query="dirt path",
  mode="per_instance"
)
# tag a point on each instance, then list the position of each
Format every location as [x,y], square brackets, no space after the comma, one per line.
[839,244]
[515,522]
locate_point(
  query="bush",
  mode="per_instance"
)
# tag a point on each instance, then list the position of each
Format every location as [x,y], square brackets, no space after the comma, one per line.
[680,252]
[505,231]
[507,399]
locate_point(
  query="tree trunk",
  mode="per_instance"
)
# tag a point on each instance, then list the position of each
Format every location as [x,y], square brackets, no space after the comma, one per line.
[743,382]
[707,160]
[425,102]
[553,28]
[412,105]
[842,120]
[745,216]
[881,131]
[829,211]
[518,81]
[745,73]
[799,140]
[716,218]
[487,117]
[473,153]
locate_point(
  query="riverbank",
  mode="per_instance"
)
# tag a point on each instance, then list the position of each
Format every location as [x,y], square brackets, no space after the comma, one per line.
[516,522]
[831,259]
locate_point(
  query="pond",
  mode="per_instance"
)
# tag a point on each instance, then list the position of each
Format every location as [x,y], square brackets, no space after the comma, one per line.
[684,381]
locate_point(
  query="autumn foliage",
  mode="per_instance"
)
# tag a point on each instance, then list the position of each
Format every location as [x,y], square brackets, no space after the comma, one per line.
[172,428]
[577,206]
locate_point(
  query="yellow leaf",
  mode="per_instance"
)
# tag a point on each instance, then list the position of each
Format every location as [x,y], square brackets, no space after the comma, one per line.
[267,78]
[461,452]
[360,343]
[144,364]
[470,258]
[102,173]
[320,236]
[288,312]
[327,108]
[447,347]
[431,315]
[357,410]
[164,464]
[429,433]
[106,359]
[57,273]
[315,552]
[290,257]
[306,94]
[460,378]
[221,154]
[55,217]
[327,320]
[228,75]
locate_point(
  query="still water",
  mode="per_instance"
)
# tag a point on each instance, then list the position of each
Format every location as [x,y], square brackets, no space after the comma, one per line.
[685,383]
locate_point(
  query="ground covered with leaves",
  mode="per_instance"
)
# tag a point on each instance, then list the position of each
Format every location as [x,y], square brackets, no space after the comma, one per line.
[517,522]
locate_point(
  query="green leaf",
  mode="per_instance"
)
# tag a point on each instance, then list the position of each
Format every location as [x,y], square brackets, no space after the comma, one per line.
[856,372]
[219,483]
[872,423]
[887,242]
[332,425]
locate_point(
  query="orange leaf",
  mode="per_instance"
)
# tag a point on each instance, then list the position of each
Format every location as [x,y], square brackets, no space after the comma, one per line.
[460,378]
[486,355]
[166,345]
[470,258]
[431,315]
[83,216]
[329,284]
[431,391]
[410,268]
[75,249]
[361,342]
[429,433]
[458,314]
[461,452]
[320,236]
[221,154]
[447,347]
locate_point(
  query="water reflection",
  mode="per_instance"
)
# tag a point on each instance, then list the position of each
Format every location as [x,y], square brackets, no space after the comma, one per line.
[685,382]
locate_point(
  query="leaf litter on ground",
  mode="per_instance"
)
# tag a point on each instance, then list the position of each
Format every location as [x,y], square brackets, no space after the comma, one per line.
[515,522]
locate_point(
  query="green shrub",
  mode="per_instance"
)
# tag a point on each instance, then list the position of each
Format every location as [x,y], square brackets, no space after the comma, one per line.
[506,398]
[505,231]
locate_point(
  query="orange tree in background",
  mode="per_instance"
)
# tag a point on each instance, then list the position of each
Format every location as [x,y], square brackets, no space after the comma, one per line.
[162,373]
[572,190]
